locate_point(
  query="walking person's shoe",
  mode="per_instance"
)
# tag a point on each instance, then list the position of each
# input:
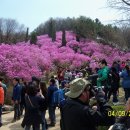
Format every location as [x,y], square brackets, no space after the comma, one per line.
[18,118]
[51,124]
[1,124]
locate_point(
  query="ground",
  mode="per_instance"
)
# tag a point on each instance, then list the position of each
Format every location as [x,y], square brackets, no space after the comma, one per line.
[7,118]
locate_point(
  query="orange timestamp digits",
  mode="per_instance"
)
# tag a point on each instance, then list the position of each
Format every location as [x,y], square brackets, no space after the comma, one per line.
[118,113]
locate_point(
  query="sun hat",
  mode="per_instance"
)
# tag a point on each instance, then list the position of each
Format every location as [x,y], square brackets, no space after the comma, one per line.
[77,86]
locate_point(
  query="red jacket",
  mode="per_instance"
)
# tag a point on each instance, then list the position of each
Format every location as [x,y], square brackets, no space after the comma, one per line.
[1,96]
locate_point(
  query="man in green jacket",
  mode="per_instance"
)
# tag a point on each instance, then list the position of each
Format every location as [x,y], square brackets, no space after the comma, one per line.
[102,79]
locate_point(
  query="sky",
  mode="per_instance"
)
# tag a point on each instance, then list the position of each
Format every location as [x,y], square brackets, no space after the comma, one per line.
[32,13]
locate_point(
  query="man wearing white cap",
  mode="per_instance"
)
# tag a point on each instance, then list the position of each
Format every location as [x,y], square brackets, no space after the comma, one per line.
[76,114]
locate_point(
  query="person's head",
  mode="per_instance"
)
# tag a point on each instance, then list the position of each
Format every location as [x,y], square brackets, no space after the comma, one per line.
[1,79]
[52,77]
[95,70]
[21,80]
[66,85]
[118,61]
[123,62]
[43,87]
[68,70]
[32,89]
[56,78]
[52,82]
[114,64]
[35,79]
[15,80]
[127,69]
[79,88]
[103,63]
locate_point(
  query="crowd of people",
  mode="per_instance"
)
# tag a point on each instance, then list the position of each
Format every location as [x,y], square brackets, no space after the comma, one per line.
[79,86]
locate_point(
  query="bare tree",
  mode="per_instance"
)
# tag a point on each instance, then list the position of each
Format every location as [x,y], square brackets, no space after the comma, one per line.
[127,2]
[123,6]
[120,4]
[1,30]
[11,31]
[19,34]
[10,28]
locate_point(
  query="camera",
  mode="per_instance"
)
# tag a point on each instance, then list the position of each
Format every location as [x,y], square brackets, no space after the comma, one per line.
[119,126]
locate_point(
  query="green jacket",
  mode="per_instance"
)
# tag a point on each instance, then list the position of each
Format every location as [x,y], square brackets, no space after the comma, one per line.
[102,76]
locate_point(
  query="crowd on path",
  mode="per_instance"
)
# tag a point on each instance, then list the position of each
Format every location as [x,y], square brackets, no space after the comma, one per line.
[73,92]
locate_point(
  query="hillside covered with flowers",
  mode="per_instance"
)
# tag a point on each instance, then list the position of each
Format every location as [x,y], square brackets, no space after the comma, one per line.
[25,59]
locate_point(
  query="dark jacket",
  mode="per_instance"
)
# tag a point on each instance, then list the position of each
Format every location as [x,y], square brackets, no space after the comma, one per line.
[115,80]
[33,113]
[78,116]
[23,91]
[16,93]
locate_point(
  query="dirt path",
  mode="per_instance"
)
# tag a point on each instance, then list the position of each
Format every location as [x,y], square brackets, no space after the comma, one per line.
[7,125]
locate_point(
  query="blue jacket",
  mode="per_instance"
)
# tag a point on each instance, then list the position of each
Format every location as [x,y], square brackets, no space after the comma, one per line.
[51,90]
[126,79]
[16,93]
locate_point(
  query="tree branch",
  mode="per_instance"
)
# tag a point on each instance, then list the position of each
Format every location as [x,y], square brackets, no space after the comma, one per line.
[126,2]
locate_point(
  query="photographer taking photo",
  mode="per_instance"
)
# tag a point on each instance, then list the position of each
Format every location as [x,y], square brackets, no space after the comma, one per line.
[76,114]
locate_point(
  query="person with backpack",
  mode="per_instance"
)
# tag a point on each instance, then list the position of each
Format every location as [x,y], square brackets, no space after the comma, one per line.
[76,113]
[58,96]
[1,102]
[103,78]
[125,75]
[115,81]
[51,108]
[34,102]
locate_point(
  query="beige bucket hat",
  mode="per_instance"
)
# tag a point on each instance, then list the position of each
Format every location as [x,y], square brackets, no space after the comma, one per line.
[77,86]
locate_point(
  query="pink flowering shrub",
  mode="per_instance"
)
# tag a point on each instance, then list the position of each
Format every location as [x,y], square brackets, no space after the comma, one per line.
[26,60]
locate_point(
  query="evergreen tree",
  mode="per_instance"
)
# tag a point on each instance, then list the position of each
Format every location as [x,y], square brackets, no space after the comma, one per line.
[26,36]
[33,39]
[52,29]
[63,38]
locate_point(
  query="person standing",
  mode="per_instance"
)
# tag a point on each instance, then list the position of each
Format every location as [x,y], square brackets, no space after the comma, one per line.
[23,92]
[51,108]
[115,83]
[76,114]
[33,102]
[16,98]
[102,79]
[43,89]
[125,75]
[4,86]
[1,102]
